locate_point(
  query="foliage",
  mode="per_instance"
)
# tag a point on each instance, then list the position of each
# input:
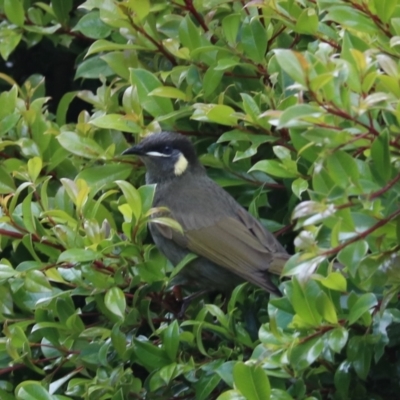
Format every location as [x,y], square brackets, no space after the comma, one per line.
[293,104]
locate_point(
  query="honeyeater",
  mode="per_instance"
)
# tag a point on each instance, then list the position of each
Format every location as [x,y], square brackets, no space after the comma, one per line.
[231,245]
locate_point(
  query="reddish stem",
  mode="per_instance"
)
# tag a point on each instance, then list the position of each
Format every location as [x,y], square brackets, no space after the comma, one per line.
[362,235]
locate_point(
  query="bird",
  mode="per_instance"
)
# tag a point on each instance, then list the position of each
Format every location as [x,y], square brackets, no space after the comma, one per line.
[231,245]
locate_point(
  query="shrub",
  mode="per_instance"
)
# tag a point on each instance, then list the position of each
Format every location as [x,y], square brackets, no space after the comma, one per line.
[293,107]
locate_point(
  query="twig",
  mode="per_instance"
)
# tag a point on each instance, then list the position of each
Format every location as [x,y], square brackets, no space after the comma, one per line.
[362,235]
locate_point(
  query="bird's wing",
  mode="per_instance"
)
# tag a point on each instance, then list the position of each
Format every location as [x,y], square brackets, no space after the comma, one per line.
[239,244]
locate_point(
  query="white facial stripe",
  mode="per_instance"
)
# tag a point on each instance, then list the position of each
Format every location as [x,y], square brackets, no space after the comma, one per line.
[157,154]
[180,165]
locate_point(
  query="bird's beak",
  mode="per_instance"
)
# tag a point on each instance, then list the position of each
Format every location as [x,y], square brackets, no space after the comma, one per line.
[137,150]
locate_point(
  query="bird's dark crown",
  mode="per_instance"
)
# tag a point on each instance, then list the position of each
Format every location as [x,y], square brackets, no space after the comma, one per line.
[163,143]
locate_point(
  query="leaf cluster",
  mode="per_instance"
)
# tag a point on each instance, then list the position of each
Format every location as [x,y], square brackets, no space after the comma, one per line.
[294,108]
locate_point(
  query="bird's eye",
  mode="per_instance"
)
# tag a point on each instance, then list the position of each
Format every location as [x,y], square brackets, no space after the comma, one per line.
[167,150]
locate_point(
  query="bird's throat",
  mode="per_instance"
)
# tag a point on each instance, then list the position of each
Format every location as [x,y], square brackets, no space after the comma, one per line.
[181,165]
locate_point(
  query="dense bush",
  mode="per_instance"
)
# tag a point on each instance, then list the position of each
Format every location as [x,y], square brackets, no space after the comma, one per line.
[293,107]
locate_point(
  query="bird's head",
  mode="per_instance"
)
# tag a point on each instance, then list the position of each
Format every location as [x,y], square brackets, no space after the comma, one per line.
[166,155]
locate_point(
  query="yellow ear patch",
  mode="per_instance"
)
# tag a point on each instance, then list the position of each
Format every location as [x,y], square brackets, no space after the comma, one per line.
[181,165]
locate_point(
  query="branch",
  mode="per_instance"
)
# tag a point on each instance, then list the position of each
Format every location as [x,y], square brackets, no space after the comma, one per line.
[362,235]
[159,46]
[388,186]
[191,8]
[35,238]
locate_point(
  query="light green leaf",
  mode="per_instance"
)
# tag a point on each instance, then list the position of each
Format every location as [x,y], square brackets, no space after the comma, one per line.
[99,176]
[140,8]
[132,197]
[35,165]
[171,340]
[363,304]
[145,83]
[230,26]
[32,390]
[115,301]
[294,64]
[15,12]
[274,168]
[78,256]
[251,381]
[80,145]
[254,39]
[62,9]
[169,92]
[299,186]
[117,122]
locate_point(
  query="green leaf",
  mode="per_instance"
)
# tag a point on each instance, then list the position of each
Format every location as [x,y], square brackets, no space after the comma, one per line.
[35,165]
[205,386]
[274,168]
[132,197]
[337,338]
[6,300]
[385,8]
[150,356]
[359,352]
[92,26]
[119,340]
[14,11]
[351,18]
[171,340]
[299,186]
[231,395]
[120,62]
[6,271]
[78,256]
[218,113]
[342,168]
[251,381]
[140,8]
[222,114]
[352,255]
[6,182]
[32,390]
[294,64]
[299,115]
[92,68]
[211,81]
[342,379]
[363,304]
[185,261]
[304,301]
[102,45]
[62,9]
[27,214]
[99,176]
[380,155]
[304,354]
[326,308]
[9,42]
[250,107]
[334,281]
[254,40]
[117,122]
[175,225]
[230,27]
[115,301]
[80,145]
[169,92]
[36,282]
[63,106]
[189,34]
[145,83]
[307,22]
